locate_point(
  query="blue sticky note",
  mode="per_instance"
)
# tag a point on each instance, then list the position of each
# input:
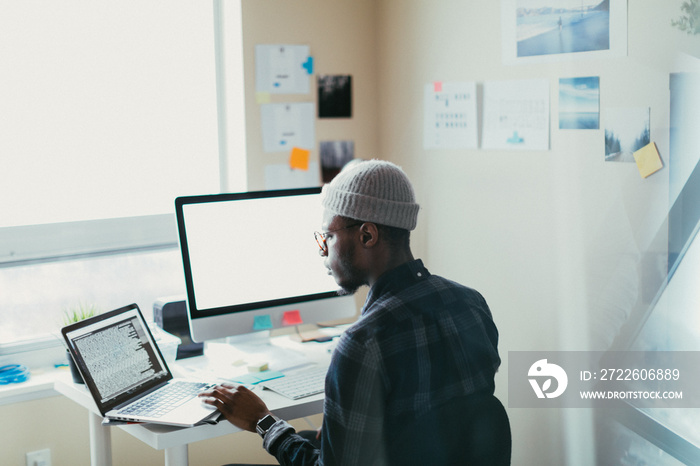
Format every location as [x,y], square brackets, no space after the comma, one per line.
[257,377]
[308,65]
[262,322]
[264,376]
[246,379]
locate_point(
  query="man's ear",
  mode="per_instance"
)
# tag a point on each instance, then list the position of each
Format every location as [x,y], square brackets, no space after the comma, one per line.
[369,235]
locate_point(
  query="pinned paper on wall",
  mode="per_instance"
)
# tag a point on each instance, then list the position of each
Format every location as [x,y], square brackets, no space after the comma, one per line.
[627,129]
[449,118]
[648,160]
[283,69]
[299,159]
[263,322]
[546,31]
[262,97]
[516,115]
[579,103]
[292,318]
[281,176]
[287,125]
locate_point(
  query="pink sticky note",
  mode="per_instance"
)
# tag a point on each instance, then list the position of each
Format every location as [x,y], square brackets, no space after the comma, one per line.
[437,86]
[292,318]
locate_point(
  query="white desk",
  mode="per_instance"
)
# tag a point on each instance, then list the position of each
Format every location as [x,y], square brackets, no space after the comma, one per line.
[174,440]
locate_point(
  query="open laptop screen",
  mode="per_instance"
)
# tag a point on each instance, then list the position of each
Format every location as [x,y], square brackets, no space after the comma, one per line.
[117,355]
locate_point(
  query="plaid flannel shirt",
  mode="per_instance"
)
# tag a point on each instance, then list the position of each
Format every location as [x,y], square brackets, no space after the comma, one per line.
[421,340]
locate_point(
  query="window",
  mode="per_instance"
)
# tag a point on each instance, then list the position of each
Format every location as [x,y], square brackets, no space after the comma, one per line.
[110,110]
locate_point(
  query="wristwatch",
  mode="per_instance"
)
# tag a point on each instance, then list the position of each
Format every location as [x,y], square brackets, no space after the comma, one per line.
[264,424]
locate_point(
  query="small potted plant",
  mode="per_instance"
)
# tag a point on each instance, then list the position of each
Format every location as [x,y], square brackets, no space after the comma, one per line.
[70,316]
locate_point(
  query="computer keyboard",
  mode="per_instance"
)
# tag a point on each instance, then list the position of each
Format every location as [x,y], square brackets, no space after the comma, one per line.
[299,384]
[165,399]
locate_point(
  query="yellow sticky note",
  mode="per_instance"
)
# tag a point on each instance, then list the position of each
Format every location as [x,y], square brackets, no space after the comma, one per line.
[299,159]
[262,97]
[258,366]
[648,160]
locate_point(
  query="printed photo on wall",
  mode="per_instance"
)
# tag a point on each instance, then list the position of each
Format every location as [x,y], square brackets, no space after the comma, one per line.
[579,103]
[550,29]
[334,96]
[334,156]
[547,26]
[626,131]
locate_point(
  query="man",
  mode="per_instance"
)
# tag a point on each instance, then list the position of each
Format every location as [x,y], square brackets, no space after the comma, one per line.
[420,342]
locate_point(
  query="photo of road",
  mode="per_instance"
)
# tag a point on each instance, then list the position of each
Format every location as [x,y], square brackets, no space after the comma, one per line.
[626,131]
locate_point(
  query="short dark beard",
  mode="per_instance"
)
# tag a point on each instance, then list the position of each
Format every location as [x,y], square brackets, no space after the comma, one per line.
[355,280]
[346,291]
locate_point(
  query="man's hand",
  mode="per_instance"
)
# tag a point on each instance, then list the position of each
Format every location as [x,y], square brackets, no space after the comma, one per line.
[242,407]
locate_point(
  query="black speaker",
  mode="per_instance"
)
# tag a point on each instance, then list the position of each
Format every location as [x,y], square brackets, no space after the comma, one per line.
[171,316]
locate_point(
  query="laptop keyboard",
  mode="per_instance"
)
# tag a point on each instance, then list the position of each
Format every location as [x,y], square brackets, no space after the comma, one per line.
[164,400]
[300,384]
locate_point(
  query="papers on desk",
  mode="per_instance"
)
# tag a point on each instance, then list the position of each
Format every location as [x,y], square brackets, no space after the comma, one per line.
[215,418]
[226,363]
[255,378]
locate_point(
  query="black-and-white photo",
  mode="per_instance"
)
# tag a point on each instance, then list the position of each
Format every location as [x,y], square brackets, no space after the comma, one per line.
[334,156]
[334,96]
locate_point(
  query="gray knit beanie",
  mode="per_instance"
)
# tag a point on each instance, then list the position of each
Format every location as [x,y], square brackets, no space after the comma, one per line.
[373,191]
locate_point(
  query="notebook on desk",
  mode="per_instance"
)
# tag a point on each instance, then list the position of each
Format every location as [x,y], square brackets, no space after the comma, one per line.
[126,374]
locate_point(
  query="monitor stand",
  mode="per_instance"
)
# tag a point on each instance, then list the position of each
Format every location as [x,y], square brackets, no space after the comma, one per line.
[250,339]
[261,351]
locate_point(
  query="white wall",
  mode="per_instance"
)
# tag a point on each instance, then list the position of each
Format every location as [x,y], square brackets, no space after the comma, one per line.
[552,238]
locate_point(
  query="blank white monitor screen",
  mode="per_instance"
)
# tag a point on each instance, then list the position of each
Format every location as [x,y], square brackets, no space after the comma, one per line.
[254,254]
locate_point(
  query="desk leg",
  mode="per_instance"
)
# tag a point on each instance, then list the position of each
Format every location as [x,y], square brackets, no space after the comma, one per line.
[100,442]
[176,456]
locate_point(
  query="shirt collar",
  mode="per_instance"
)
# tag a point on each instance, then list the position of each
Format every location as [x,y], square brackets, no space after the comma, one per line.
[395,280]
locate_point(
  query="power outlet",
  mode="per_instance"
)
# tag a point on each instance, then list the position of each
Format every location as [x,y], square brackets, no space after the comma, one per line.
[39,458]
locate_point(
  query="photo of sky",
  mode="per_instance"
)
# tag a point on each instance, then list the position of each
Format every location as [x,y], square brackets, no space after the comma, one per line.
[579,103]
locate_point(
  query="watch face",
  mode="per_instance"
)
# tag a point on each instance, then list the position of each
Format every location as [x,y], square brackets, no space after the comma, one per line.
[265,423]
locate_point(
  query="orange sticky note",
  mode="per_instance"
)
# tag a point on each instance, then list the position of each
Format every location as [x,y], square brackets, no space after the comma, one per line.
[437,86]
[299,159]
[292,318]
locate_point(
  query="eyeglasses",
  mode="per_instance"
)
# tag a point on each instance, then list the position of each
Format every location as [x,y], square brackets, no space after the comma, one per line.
[321,237]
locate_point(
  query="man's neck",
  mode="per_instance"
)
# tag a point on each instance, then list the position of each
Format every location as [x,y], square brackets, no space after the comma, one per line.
[390,261]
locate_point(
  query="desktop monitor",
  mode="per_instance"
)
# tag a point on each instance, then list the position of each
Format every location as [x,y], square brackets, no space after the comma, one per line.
[251,263]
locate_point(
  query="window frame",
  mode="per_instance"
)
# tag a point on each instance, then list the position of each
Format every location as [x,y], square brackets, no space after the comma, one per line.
[32,244]
[29,244]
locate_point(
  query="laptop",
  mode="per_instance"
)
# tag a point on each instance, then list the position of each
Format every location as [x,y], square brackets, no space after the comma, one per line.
[126,374]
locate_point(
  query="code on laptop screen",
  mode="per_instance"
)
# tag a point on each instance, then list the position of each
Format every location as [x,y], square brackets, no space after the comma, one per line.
[119,357]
